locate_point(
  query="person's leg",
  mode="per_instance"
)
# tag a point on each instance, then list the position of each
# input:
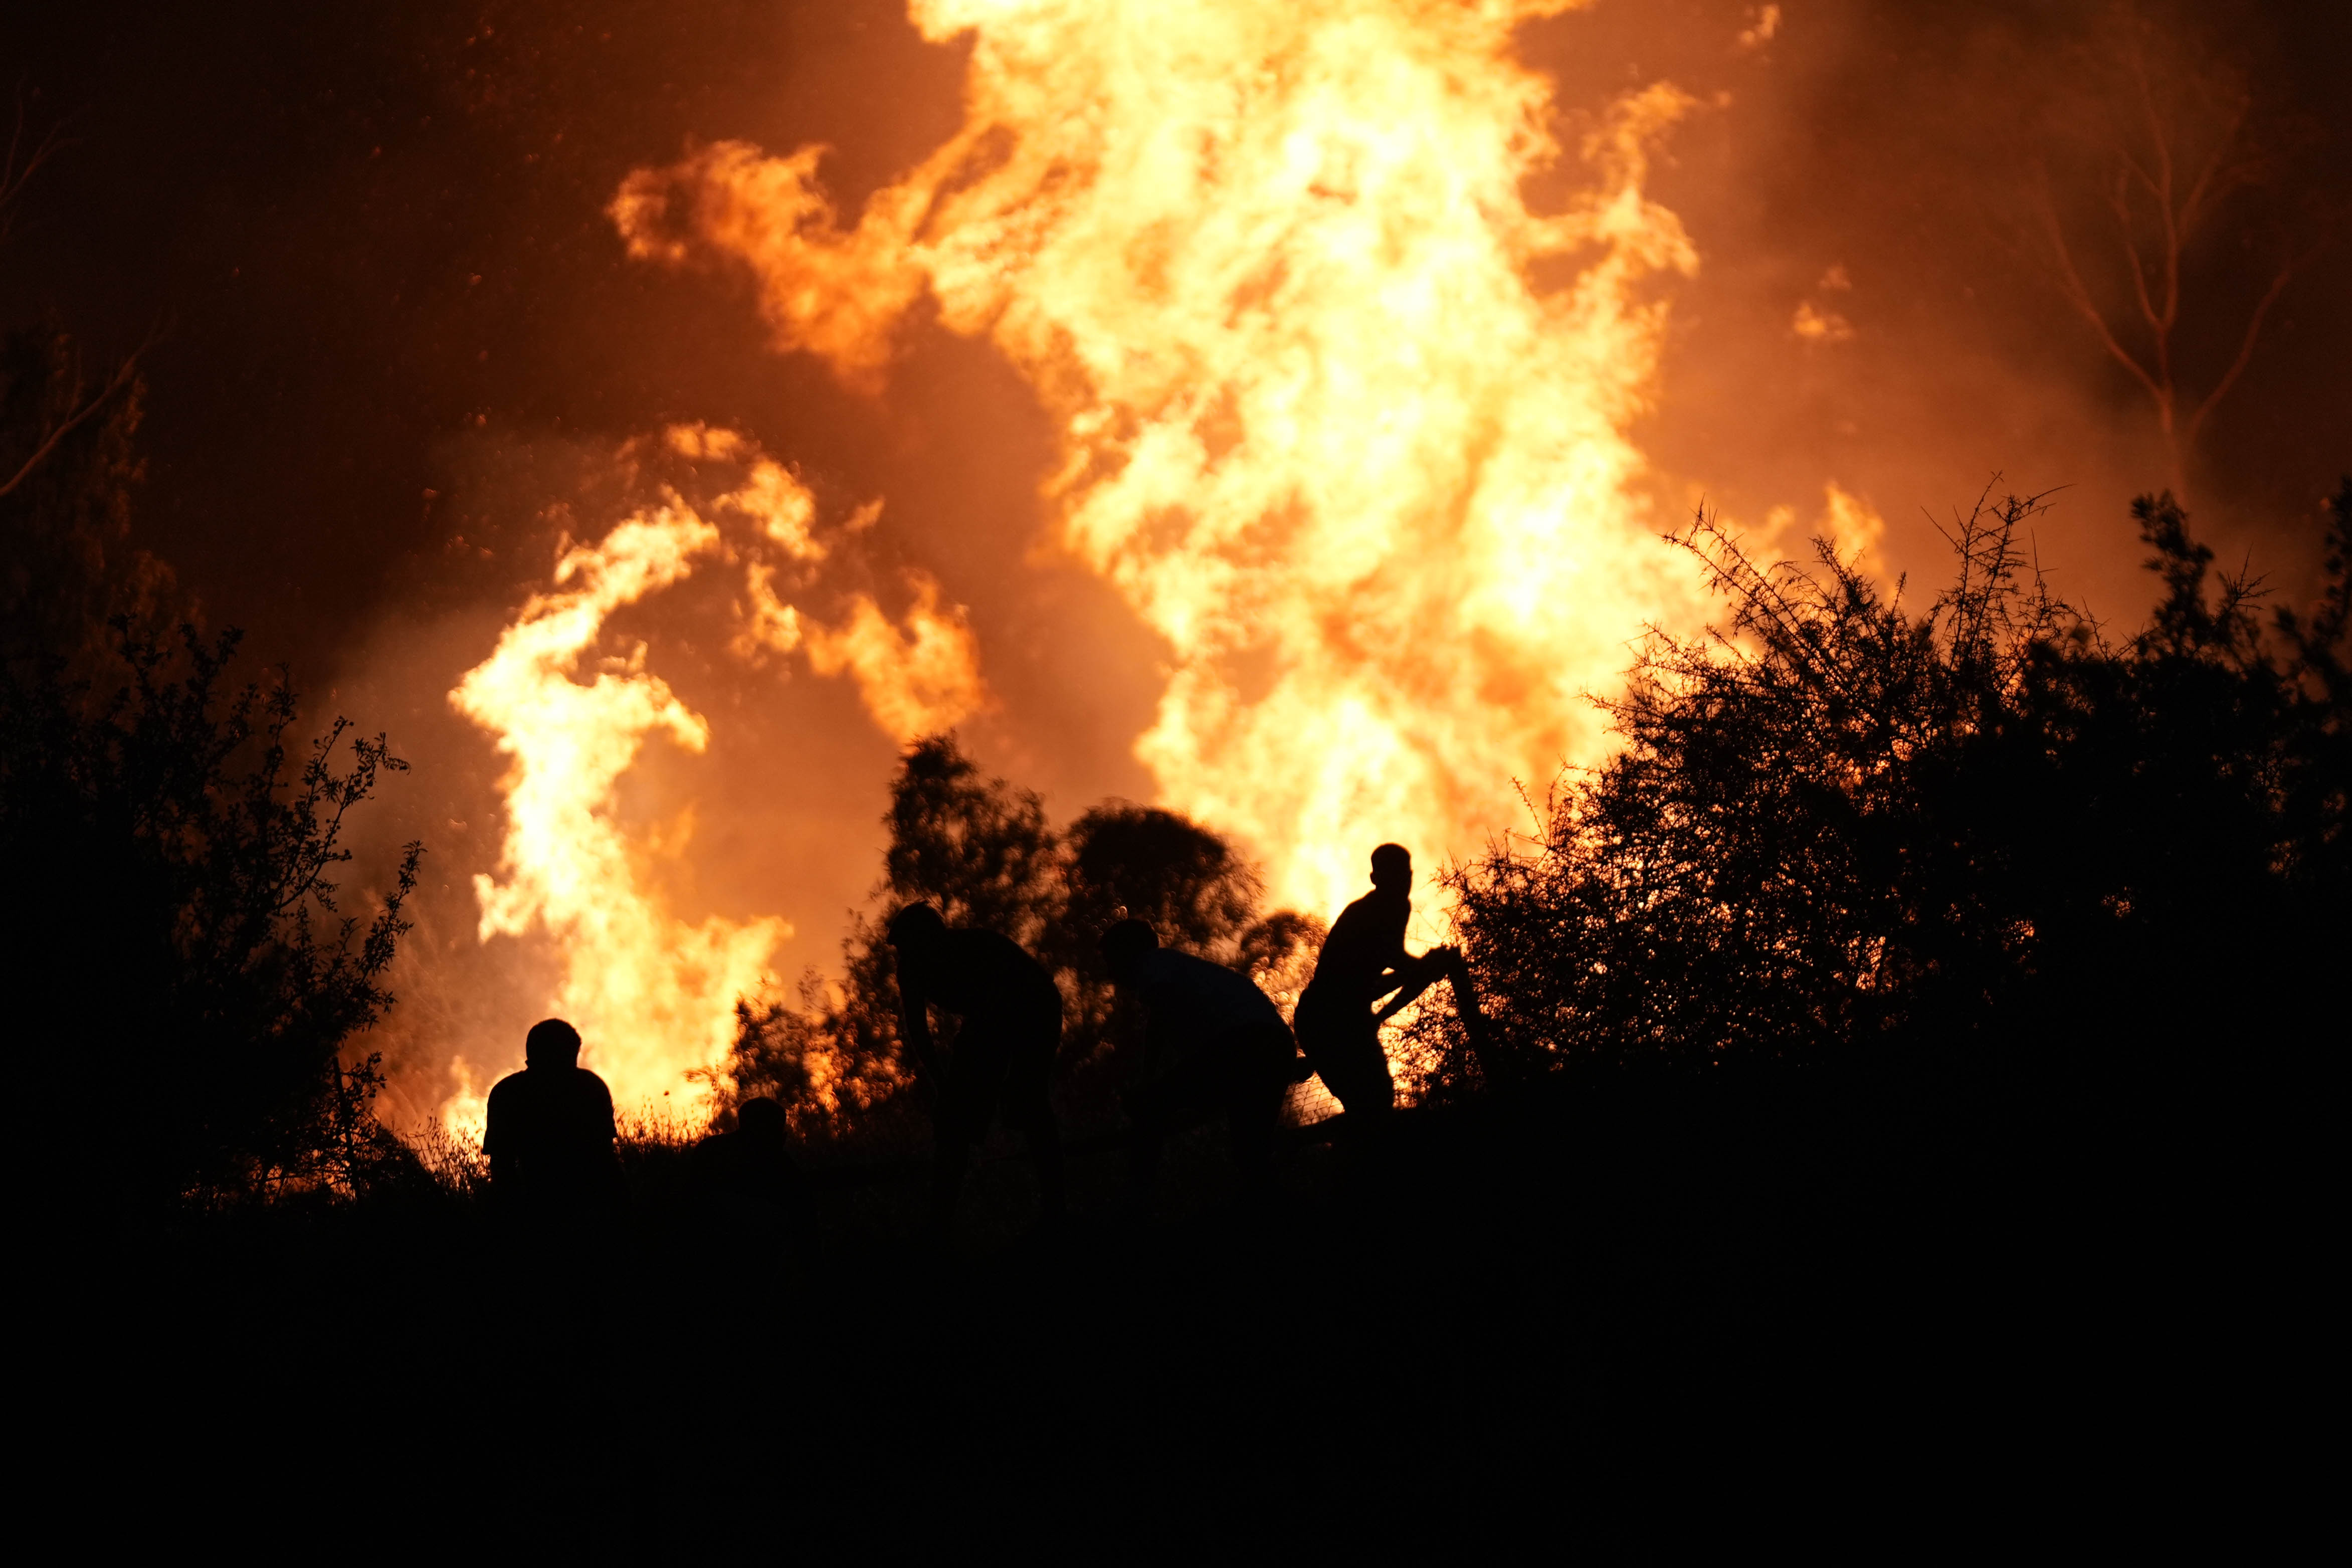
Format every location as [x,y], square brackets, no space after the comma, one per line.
[975,1076]
[1356,1070]
[1176,1102]
[951,1154]
[1260,1082]
[1143,1136]
[1028,1104]
[1045,1139]
[1256,1118]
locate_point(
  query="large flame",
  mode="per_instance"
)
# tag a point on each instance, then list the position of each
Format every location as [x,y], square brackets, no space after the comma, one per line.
[653,994]
[1269,266]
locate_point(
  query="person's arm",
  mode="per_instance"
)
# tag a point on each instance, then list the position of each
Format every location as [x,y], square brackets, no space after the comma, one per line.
[494,1143]
[1411,976]
[1397,967]
[915,1025]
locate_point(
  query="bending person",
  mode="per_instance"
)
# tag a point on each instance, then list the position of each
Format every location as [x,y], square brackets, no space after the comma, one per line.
[1004,1057]
[1215,1044]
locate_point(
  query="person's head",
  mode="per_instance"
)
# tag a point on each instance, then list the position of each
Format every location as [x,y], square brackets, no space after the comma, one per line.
[552,1043]
[917,935]
[1124,947]
[1393,868]
[761,1120]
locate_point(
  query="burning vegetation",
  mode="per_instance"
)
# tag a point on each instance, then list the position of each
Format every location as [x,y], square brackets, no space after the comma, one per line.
[1899,1007]
[1373,487]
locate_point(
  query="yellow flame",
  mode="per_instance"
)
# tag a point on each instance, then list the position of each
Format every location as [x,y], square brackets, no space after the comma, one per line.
[1854,527]
[913,682]
[653,994]
[1848,524]
[466,1112]
[1269,266]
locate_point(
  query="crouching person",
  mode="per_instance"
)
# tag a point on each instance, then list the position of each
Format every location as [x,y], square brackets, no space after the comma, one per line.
[1215,1045]
[749,1188]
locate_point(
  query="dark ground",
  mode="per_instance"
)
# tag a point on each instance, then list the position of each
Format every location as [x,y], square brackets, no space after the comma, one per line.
[1616,1316]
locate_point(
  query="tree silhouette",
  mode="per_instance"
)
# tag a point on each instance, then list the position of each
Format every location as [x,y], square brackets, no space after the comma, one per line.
[982,851]
[1838,825]
[2166,153]
[172,940]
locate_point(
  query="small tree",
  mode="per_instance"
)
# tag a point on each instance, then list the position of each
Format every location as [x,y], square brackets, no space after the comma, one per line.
[184,978]
[2166,153]
[978,848]
[172,914]
[1123,861]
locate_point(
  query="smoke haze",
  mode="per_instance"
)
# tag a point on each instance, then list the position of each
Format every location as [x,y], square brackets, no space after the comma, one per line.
[409,354]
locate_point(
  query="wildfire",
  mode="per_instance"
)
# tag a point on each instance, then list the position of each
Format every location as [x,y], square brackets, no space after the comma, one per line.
[653,994]
[1269,266]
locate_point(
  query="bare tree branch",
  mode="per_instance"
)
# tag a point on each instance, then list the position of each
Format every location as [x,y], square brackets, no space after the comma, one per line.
[2174,145]
[2286,272]
[125,375]
[2078,295]
[27,153]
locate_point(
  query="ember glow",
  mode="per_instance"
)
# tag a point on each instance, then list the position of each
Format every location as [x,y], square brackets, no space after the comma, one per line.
[1270,269]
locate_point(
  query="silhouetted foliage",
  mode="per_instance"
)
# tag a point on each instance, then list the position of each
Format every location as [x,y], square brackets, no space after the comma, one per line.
[1842,823]
[979,849]
[170,914]
[982,851]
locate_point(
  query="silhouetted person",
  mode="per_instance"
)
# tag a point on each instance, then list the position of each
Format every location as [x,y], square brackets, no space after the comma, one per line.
[1213,1045]
[551,1129]
[747,1179]
[1363,960]
[1005,1050]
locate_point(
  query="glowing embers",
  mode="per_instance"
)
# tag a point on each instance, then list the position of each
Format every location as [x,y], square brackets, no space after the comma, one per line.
[654,994]
[1268,265]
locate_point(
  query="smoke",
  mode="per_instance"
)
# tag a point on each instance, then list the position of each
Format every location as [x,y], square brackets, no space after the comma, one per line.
[430,298]
[1880,307]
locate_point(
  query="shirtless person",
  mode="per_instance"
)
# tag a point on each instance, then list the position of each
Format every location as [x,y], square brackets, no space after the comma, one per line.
[1003,1055]
[1363,960]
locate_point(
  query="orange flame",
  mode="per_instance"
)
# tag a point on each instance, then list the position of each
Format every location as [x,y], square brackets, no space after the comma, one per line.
[1268,264]
[653,994]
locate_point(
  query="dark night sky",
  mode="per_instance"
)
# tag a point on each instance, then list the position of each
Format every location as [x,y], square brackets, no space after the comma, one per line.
[398,323]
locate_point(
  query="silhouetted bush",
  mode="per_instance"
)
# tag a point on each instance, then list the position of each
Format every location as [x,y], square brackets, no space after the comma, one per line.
[178,963]
[1980,833]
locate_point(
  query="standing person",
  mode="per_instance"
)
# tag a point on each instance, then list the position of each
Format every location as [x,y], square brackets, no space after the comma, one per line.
[551,1132]
[1362,960]
[1214,1043]
[1004,1057]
